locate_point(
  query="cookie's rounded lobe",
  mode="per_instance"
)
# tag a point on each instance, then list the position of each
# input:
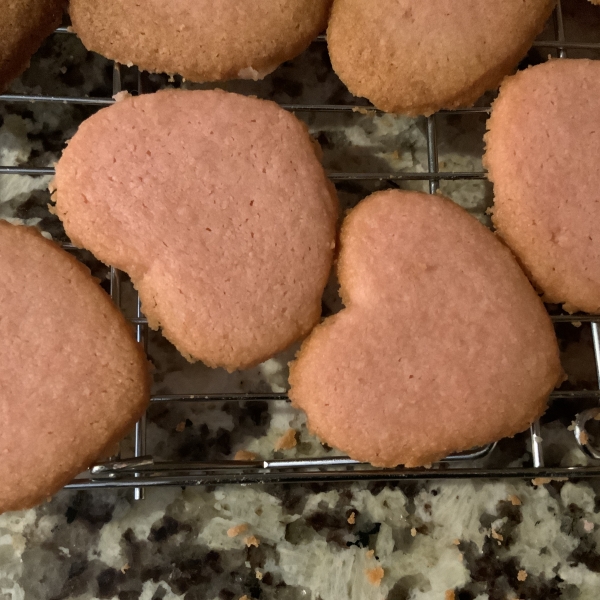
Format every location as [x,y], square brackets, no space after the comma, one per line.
[203,40]
[73,380]
[419,57]
[542,146]
[24,25]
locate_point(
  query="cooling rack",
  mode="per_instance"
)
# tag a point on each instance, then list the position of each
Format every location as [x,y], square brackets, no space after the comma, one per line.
[142,470]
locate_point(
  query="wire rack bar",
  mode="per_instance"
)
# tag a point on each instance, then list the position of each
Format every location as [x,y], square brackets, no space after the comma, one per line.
[211,398]
[391,475]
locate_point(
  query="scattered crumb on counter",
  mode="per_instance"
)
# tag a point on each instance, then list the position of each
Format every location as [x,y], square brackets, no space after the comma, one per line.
[522,575]
[259,575]
[449,595]
[497,536]
[456,542]
[180,427]
[245,455]
[352,518]
[370,553]
[287,441]
[413,532]
[515,500]
[125,568]
[544,480]
[375,575]
[236,530]
[588,526]
[251,540]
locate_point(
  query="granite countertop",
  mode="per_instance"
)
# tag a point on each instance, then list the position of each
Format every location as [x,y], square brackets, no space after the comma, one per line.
[447,539]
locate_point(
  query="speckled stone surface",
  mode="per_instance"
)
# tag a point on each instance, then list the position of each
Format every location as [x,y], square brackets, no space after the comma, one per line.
[448,539]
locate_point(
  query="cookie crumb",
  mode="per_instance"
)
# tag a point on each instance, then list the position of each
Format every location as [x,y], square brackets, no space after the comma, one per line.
[497,536]
[251,540]
[237,530]
[456,542]
[588,526]
[125,568]
[352,518]
[413,532]
[375,575]
[287,441]
[522,575]
[515,500]
[370,553]
[544,480]
[449,595]
[118,97]
[180,427]
[259,575]
[245,455]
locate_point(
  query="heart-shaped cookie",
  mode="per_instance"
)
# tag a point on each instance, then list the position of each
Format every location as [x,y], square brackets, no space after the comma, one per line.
[218,208]
[443,344]
[73,380]
[543,147]
[203,40]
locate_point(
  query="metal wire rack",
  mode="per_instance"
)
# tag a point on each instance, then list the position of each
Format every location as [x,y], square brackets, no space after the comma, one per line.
[142,470]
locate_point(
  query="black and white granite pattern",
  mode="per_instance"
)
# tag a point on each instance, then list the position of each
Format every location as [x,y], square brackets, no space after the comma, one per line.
[461,540]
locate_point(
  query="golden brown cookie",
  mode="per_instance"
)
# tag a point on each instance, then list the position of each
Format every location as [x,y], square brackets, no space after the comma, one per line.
[542,154]
[73,380]
[419,57]
[203,40]
[24,24]
[443,344]
[217,206]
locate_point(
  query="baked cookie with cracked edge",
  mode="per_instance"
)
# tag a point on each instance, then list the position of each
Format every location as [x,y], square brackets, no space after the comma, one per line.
[24,25]
[443,345]
[203,40]
[543,144]
[218,208]
[416,58]
[73,380]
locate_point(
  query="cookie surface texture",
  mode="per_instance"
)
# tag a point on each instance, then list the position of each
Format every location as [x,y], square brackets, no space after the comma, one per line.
[218,208]
[73,380]
[443,345]
[543,144]
[203,40]
[416,58]
[24,25]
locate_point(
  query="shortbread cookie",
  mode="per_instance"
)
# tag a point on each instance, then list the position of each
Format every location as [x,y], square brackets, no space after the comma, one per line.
[418,57]
[443,344]
[24,24]
[218,208]
[203,40]
[543,149]
[73,380]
